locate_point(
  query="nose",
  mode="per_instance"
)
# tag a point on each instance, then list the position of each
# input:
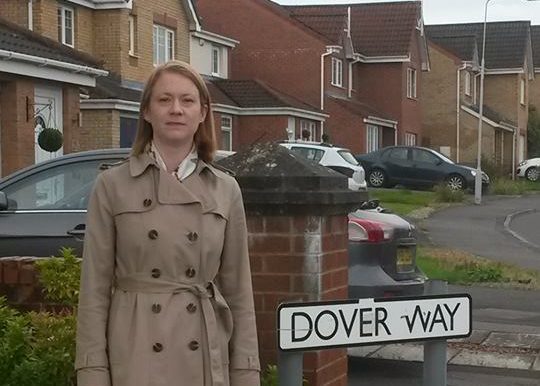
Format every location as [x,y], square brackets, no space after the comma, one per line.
[176,107]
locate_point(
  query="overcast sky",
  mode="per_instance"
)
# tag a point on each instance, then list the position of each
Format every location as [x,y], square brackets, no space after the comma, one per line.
[456,11]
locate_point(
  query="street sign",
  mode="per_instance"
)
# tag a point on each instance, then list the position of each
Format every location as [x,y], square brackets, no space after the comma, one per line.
[316,325]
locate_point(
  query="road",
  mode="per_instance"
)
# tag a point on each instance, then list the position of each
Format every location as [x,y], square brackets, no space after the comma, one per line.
[369,372]
[481,230]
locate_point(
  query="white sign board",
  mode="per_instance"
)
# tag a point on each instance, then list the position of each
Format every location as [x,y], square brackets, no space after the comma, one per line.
[346,323]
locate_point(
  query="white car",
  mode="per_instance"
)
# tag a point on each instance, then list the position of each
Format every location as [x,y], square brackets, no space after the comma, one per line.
[335,158]
[530,169]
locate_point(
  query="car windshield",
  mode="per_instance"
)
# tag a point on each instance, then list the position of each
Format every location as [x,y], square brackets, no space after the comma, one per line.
[445,158]
[347,156]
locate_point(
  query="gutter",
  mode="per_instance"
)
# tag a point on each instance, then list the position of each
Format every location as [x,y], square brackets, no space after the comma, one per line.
[44,62]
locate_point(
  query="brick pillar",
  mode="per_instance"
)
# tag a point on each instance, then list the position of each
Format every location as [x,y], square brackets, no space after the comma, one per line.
[71,112]
[17,100]
[297,223]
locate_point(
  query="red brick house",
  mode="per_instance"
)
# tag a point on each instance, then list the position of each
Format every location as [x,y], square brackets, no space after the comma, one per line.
[369,64]
[455,51]
[39,87]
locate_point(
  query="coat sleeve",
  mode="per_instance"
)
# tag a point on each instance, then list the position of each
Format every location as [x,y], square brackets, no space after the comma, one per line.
[91,361]
[235,282]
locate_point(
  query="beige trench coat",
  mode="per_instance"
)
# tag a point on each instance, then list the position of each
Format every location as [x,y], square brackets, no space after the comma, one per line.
[166,296]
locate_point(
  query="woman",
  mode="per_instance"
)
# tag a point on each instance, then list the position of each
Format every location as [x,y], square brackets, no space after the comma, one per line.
[166,295]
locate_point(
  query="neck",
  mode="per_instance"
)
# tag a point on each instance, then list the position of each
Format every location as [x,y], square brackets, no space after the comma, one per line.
[173,154]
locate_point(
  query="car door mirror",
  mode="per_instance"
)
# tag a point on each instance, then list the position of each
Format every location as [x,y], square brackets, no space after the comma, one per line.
[3,201]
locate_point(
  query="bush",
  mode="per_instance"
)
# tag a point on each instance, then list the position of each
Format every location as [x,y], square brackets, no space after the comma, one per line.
[443,193]
[506,186]
[270,376]
[38,348]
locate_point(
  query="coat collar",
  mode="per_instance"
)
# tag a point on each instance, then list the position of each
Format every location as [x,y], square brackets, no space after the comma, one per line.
[139,163]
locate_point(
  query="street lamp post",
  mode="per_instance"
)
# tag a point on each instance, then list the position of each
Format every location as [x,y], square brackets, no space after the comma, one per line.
[478,177]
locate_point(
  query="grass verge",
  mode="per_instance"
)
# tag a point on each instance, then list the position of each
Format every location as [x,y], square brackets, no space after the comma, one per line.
[505,186]
[457,267]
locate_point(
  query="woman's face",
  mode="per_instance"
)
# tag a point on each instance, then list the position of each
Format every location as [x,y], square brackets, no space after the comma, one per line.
[175,110]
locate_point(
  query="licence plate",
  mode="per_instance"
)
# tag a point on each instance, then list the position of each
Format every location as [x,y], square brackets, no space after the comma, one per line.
[405,258]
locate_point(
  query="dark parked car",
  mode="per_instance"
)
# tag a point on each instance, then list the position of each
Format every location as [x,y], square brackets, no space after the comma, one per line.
[416,166]
[43,207]
[382,256]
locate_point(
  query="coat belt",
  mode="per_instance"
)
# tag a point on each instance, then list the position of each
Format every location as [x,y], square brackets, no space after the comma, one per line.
[141,283]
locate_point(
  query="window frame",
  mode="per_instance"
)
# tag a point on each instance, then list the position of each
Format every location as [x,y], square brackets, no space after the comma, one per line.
[61,13]
[337,72]
[228,129]
[522,91]
[410,139]
[132,24]
[215,65]
[411,83]
[373,133]
[467,83]
[168,44]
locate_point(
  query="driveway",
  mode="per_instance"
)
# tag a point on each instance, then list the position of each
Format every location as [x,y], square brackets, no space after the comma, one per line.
[502,229]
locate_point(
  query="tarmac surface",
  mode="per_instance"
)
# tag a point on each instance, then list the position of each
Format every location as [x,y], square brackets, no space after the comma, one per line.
[506,323]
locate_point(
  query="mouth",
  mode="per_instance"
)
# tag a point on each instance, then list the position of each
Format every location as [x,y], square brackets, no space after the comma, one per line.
[175,123]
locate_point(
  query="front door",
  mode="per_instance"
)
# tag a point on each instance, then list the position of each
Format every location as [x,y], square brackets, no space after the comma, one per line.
[48,113]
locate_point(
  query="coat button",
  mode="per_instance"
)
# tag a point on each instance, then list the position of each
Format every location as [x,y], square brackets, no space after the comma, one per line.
[157,347]
[156,308]
[147,202]
[156,273]
[192,236]
[191,308]
[153,234]
[193,345]
[190,272]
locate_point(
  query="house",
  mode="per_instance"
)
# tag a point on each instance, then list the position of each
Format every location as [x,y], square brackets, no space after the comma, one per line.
[534,89]
[39,87]
[129,37]
[452,91]
[361,67]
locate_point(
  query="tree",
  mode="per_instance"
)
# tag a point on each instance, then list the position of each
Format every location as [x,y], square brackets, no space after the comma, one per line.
[533,133]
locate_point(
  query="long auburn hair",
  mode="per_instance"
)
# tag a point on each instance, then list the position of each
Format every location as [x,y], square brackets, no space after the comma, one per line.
[205,136]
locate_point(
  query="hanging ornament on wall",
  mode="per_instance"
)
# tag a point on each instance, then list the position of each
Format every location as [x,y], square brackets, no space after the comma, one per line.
[50,139]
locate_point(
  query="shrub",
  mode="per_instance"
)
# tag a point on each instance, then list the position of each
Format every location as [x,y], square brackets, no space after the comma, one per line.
[270,376]
[38,348]
[443,193]
[506,186]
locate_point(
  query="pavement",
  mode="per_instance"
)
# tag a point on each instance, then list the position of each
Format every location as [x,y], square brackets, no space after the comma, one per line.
[501,338]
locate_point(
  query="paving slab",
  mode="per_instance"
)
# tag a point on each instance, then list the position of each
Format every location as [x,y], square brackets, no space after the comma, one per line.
[487,359]
[477,337]
[513,340]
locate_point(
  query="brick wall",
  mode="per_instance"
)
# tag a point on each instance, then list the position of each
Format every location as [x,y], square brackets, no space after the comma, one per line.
[534,91]
[299,258]
[14,11]
[17,141]
[85,30]
[46,18]
[19,283]
[439,97]
[254,129]
[345,128]
[70,119]
[99,130]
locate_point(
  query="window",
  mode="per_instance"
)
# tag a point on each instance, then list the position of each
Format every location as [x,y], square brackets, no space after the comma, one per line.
[411,83]
[410,139]
[308,152]
[226,132]
[372,142]
[132,35]
[63,187]
[163,45]
[65,26]
[522,91]
[216,60]
[128,128]
[337,72]
[425,157]
[398,153]
[30,15]
[468,83]
[308,130]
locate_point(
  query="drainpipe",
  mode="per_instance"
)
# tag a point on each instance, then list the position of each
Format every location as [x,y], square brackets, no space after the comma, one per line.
[356,60]
[458,107]
[514,138]
[329,51]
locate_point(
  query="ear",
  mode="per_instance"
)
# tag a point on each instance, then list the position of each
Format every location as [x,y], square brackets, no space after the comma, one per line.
[204,111]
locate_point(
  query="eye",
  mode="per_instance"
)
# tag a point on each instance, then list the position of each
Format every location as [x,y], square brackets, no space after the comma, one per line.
[164,99]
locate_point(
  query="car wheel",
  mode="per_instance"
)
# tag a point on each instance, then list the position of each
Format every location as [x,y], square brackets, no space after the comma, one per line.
[377,178]
[455,182]
[532,174]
